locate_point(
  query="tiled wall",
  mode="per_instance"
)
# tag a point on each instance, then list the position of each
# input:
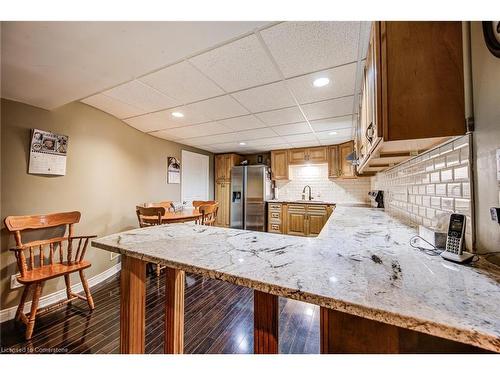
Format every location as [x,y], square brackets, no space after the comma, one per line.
[430,184]
[316,176]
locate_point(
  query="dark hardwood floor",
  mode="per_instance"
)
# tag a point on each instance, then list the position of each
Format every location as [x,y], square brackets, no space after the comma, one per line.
[219,319]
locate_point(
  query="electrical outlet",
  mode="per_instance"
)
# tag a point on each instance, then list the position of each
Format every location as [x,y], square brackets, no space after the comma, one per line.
[13,281]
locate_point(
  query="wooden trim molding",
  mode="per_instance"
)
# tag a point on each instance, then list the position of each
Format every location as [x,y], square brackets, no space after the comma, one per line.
[174,311]
[266,312]
[132,305]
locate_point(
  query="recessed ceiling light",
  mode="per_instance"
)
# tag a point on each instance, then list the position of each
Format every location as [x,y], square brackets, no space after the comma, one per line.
[242,144]
[332,133]
[320,82]
[178,114]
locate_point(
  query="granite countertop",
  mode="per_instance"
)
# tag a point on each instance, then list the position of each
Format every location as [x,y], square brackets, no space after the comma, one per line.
[360,264]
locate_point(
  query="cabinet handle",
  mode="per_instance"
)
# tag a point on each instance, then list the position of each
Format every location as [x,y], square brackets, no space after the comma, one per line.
[369,133]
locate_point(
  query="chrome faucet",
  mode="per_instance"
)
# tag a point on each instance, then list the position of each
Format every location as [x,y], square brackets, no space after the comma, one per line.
[304,193]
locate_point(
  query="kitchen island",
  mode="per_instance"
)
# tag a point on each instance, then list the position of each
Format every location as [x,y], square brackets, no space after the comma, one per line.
[376,293]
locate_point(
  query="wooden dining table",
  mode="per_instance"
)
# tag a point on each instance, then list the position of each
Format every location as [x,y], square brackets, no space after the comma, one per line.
[182,216]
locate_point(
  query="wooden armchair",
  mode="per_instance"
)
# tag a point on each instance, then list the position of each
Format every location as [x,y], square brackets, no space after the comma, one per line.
[42,260]
[209,214]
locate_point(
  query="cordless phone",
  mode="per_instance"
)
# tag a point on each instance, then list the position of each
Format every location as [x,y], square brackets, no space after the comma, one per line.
[455,241]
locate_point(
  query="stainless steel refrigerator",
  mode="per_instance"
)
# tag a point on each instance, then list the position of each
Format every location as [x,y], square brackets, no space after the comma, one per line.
[250,189]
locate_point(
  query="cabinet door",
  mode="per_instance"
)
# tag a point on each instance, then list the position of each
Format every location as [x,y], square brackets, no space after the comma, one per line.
[222,192]
[230,161]
[279,164]
[296,220]
[316,219]
[220,167]
[317,155]
[297,156]
[333,161]
[346,167]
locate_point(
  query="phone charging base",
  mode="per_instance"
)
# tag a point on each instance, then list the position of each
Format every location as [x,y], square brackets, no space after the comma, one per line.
[457,258]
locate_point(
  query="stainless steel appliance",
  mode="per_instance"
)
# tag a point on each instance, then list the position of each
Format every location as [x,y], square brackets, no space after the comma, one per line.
[250,189]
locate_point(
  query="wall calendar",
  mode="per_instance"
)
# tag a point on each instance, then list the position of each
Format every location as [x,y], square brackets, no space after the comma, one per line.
[47,153]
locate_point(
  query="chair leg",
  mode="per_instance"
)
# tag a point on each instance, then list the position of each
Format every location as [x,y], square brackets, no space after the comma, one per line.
[158,270]
[20,308]
[67,281]
[86,289]
[34,307]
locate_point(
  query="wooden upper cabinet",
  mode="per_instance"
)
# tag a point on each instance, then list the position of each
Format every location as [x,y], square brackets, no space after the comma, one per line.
[308,155]
[223,165]
[317,155]
[346,168]
[279,164]
[422,79]
[297,156]
[333,161]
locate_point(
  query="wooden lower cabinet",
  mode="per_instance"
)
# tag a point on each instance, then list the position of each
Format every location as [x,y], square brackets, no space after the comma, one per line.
[297,219]
[222,195]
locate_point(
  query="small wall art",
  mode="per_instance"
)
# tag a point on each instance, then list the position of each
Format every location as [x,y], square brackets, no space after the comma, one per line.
[173,171]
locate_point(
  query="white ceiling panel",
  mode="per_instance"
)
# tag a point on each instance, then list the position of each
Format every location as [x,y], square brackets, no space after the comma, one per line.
[164,119]
[214,139]
[305,144]
[303,47]
[219,108]
[296,138]
[265,98]
[183,82]
[342,82]
[49,64]
[281,116]
[113,106]
[207,128]
[289,129]
[255,134]
[330,124]
[141,96]
[340,133]
[267,142]
[329,108]
[243,123]
[237,65]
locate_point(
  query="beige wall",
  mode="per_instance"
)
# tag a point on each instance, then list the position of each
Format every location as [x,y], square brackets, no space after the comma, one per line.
[486,91]
[110,168]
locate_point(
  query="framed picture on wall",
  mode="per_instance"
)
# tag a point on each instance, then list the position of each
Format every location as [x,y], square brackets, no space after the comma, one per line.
[173,171]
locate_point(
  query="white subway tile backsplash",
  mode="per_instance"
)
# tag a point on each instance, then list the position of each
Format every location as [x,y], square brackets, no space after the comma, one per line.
[316,176]
[434,183]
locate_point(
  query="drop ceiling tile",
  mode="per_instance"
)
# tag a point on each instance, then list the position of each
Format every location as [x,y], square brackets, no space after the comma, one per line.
[265,98]
[219,108]
[334,140]
[207,128]
[164,134]
[228,147]
[329,108]
[342,83]
[305,144]
[255,134]
[281,116]
[325,44]
[112,106]
[296,138]
[237,65]
[141,96]
[164,119]
[289,129]
[213,139]
[340,134]
[183,82]
[243,123]
[267,142]
[333,123]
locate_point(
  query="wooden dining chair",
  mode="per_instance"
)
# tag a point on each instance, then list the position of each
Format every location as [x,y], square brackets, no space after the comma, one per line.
[42,260]
[149,216]
[209,214]
[165,204]
[198,204]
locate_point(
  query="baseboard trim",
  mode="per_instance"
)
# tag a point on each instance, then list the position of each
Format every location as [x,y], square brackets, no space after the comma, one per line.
[8,314]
